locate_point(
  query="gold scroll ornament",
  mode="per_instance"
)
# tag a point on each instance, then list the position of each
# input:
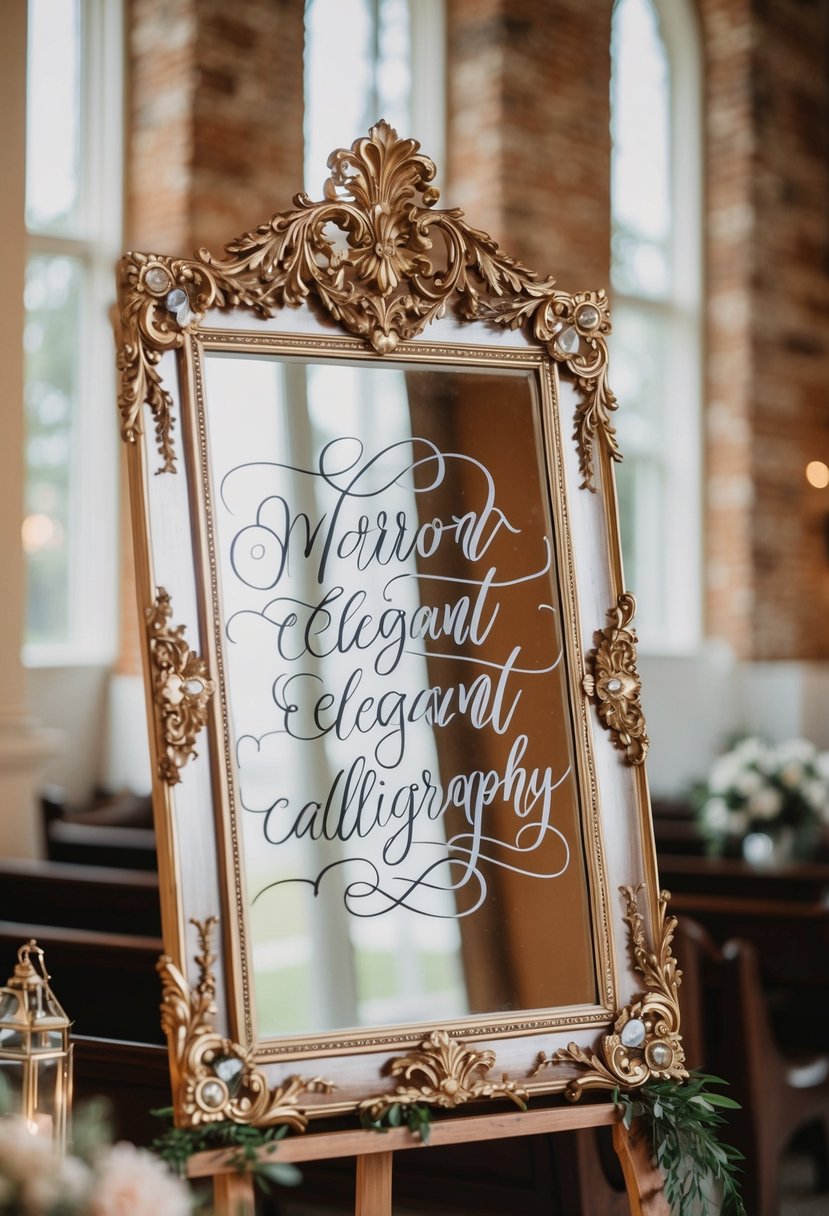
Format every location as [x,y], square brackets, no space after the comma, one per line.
[181,689]
[442,1072]
[613,680]
[212,1077]
[645,1043]
[403,263]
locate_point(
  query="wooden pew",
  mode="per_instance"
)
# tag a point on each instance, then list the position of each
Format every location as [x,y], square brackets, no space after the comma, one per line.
[80,897]
[133,1078]
[106,982]
[102,844]
[784,914]
[726,1031]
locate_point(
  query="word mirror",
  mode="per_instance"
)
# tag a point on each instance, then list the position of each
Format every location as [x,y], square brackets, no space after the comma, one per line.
[403,825]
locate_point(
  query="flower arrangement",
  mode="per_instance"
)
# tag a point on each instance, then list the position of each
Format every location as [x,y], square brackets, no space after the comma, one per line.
[102,1180]
[760,788]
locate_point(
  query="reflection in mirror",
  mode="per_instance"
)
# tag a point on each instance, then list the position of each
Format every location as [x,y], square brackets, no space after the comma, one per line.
[403,772]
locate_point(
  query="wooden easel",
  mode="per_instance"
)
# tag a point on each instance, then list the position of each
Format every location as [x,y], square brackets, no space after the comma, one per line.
[234,1192]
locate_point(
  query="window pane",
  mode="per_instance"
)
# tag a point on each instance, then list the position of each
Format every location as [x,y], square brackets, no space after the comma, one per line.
[394,74]
[53,115]
[52,340]
[337,101]
[642,340]
[373,38]
[640,174]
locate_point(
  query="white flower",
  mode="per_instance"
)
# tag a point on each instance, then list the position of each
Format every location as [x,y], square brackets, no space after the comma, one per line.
[749,782]
[22,1153]
[765,804]
[63,1182]
[794,751]
[716,815]
[791,774]
[750,750]
[822,764]
[724,772]
[130,1182]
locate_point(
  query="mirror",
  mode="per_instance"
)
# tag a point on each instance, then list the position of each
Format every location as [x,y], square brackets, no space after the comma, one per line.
[390,663]
[391,628]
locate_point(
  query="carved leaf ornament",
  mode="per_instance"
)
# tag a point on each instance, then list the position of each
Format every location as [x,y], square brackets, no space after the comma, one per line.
[443,1072]
[181,689]
[645,1043]
[403,263]
[213,1078]
[613,680]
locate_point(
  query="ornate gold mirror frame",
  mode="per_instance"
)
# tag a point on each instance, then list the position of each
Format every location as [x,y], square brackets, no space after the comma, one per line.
[374,275]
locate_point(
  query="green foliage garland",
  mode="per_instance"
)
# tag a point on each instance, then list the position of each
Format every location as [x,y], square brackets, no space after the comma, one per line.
[684,1120]
[176,1144]
[416,1115]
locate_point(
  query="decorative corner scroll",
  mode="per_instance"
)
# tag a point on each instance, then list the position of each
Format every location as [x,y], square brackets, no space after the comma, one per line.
[213,1078]
[613,680]
[646,1043]
[445,1072]
[181,689]
[387,281]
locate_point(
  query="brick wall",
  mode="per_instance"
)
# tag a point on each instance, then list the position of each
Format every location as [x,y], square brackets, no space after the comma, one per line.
[214,142]
[215,146]
[790,306]
[767,413]
[529,140]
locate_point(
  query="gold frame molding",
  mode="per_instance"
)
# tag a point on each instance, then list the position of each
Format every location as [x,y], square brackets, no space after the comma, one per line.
[447,1073]
[182,689]
[214,1079]
[404,265]
[646,1043]
[379,194]
[612,679]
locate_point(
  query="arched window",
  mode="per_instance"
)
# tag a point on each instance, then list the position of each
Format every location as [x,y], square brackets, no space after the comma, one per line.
[395,52]
[73,221]
[657,281]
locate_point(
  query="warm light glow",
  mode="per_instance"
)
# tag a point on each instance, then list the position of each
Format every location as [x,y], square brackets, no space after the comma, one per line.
[41,532]
[40,1125]
[817,474]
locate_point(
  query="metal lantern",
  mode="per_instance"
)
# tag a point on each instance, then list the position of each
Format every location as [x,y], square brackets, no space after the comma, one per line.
[35,1052]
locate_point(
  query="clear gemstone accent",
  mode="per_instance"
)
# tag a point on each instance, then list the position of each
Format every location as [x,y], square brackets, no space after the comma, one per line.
[568,341]
[157,278]
[614,685]
[212,1094]
[633,1033]
[660,1054]
[178,302]
[588,316]
[227,1069]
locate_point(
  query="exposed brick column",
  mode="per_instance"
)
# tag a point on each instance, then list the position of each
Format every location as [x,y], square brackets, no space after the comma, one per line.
[729,255]
[215,119]
[767,331]
[528,131]
[791,330]
[215,145]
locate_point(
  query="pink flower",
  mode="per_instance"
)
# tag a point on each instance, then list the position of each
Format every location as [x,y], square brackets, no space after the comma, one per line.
[131,1182]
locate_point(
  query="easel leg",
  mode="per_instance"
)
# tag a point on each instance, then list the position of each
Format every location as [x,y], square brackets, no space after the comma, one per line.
[643,1179]
[233,1194]
[374,1185]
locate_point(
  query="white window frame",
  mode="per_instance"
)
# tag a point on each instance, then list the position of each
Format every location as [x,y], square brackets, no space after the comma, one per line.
[673,569]
[96,239]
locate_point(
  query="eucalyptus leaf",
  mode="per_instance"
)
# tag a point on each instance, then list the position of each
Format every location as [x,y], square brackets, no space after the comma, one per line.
[684,1122]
